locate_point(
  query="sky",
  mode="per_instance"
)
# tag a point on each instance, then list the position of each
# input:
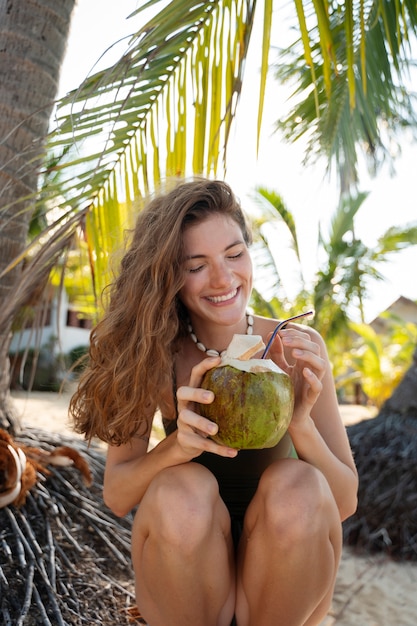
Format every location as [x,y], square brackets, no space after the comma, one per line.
[306,191]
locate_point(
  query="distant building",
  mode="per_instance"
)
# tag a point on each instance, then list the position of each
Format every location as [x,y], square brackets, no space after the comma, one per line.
[403,308]
[63,328]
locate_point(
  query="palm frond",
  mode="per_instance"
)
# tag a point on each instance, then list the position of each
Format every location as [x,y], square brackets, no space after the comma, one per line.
[39,258]
[163,110]
[273,204]
[343,219]
[370,87]
[396,238]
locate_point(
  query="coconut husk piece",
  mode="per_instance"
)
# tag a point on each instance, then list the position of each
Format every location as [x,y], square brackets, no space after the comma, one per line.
[64,558]
[385,451]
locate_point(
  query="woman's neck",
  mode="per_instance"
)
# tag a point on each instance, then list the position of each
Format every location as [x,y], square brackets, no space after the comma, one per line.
[215,345]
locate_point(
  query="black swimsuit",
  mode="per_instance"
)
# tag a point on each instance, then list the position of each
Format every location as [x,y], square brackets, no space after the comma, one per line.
[238,478]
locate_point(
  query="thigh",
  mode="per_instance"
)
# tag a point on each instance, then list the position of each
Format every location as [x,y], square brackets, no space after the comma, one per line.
[182,543]
[180,494]
[292,518]
[290,491]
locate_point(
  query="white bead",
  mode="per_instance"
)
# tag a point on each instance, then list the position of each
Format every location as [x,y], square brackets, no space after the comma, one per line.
[212,353]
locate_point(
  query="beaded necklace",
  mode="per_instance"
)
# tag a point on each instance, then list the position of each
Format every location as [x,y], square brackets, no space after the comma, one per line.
[211,351]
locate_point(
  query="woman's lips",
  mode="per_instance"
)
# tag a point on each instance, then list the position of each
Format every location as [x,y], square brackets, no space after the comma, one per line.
[224,298]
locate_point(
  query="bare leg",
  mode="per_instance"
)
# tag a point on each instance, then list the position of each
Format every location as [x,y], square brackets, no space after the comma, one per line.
[182,551]
[290,550]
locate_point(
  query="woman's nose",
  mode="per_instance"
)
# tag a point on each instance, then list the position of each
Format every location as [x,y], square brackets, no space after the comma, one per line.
[221,275]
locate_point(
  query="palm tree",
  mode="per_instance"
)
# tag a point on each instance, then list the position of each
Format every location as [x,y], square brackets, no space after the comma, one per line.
[165,109]
[385,447]
[32,46]
[347,264]
[379,360]
[344,104]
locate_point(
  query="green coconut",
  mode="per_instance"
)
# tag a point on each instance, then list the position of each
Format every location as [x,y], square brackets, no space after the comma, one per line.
[254,400]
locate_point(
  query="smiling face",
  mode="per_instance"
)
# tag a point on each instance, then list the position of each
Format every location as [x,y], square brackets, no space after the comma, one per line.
[218,272]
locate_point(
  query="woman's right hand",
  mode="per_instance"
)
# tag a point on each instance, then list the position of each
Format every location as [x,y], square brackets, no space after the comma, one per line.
[194,431]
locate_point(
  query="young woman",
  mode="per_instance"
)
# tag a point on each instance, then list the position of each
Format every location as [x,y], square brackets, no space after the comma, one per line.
[220,536]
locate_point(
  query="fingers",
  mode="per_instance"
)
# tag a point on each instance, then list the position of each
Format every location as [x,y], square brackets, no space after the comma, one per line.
[193,393]
[186,394]
[314,386]
[276,353]
[304,350]
[194,431]
[194,434]
[198,424]
[305,364]
[189,420]
[198,371]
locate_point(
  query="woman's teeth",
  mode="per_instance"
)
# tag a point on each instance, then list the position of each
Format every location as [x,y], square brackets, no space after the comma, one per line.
[228,296]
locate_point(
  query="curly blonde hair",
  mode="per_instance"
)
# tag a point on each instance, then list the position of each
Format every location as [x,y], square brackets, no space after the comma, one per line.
[132,348]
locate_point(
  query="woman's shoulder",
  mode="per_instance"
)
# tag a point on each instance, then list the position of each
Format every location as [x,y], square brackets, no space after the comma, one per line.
[263,325]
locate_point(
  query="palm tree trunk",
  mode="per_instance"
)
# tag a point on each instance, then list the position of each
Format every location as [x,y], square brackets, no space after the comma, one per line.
[33,37]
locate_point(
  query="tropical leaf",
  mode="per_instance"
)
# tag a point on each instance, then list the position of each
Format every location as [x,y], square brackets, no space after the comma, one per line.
[397,238]
[45,253]
[272,203]
[369,88]
[342,221]
[382,359]
[163,110]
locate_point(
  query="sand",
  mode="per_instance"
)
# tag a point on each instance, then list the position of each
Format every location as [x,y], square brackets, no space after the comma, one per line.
[370,591]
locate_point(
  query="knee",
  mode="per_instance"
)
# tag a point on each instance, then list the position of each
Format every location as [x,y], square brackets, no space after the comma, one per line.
[296,501]
[180,505]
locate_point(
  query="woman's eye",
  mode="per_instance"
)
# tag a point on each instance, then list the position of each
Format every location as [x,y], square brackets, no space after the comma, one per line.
[235,256]
[193,270]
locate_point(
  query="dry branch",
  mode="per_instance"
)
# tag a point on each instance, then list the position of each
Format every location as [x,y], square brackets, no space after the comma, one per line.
[385,450]
[64,558]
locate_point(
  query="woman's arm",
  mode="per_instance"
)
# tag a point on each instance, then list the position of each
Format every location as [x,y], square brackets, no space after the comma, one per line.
[130,468]
[316,429]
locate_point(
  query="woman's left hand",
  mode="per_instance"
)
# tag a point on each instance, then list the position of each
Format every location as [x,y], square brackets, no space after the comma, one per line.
[295,351]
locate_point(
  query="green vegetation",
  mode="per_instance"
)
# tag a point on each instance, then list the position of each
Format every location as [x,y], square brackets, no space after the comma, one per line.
[157,114]
[377,362]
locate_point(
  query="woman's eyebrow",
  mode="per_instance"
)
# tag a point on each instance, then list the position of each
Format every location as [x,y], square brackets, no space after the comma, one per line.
[203,256]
